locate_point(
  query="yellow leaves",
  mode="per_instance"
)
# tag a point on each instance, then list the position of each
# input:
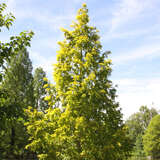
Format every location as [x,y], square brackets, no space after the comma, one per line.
[101,64]
[48,89]
[42,156]
[102,91]
[83,153]
[45,79]
[50,103]
[62,44]
[67,34]
[108,61]
[82,15]
[80,122]
[89,57]
[47,98]
[92,76]
[63,29]
[105,64]
[66,67]
[78,61]
[76,77]
[84,5]
[53,114]
[119,144]
[83,39]
[45,86]
[78,17]
[83,95]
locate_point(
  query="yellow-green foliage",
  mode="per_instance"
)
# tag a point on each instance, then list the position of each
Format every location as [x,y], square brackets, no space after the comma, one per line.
[87,123]
[151,139]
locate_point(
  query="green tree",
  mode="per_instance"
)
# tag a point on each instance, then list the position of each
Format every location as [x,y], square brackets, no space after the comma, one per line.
[7,50]
[151,139]
[137,124]
[18,79]
[88,122]
[16,42]
[39,90]
[18,86]
[9,115]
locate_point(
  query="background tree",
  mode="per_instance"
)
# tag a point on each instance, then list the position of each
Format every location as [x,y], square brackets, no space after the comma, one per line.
[151,139]
[137,124]
[39,90]
[18,86]
[16,42]
[18,79]
[7,50]
[88,122]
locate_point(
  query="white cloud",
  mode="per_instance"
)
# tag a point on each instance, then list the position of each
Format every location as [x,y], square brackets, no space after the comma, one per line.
[43,61]
[133,93]
[127,10]
[140,52]
[130,19]
[48,43]
[131,33]
[51,20]
[11,5]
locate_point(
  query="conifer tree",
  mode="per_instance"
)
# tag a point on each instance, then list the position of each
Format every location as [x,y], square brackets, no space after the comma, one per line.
[18,85]
[7,50]
[39,90]
[7,111]
[88,123]
[19,80]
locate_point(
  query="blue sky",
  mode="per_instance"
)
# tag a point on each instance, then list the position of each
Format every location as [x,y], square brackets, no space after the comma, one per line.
[128,28]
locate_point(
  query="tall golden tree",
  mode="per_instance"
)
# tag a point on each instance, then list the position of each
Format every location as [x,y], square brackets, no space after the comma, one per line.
[87,125]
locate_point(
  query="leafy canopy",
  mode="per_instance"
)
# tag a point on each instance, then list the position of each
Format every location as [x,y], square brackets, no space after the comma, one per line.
[18,88]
